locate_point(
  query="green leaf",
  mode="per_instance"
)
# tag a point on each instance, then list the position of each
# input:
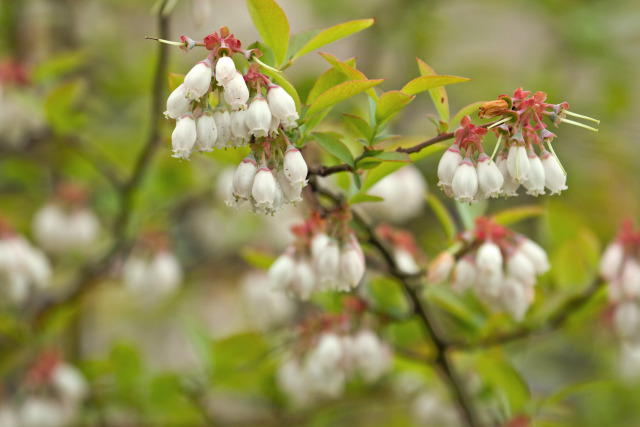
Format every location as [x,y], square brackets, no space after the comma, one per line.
[465,111]
[326,81]
[334,146]
[420,84]
[350,72]
[272,25]
[378,173]
[200,340]
[443,215]
[339,93]
[280,79]
[298,40]
[438,94]
[257,258]
[371,159]
[333,34]
[59,65]
[469,212]
[519,213]
[175,80]
[390,103]
[359,124]
[361,198]
[500,375]
[454,306]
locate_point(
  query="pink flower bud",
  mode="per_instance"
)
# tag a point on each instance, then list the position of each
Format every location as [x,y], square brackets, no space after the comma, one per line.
[465,181]
[295,168]
[177,104]
[183,138]
[225,70]
[244,177]
[264,187]
[258,117]
[554,178]
[206,131]
[282,105]
[198,79]
[535,183]
[490,178]
[448,165]
[236,92]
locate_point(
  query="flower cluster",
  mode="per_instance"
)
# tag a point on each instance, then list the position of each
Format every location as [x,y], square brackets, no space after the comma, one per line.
[476,176]
[266,309]
[234,122]
[50,395]
[152,271]
[275,183]
[22,266]
[325,256]
[499,264]
[330,353]
[66,223]
[620,267]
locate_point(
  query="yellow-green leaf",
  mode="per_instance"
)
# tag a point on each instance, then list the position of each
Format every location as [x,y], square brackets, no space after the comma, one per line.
[519,213]
[350,72]
[390,103]
[443,215]
[438,94]
[361,198]
[420,84]
[334,146]
[272,25]
[340,93]
[359,124]
[327,80]
[332,34]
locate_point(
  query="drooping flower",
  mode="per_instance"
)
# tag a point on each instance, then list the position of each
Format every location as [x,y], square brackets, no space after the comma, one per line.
[198,79]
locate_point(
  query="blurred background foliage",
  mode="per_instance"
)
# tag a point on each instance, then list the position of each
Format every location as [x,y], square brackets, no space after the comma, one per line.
[195,357]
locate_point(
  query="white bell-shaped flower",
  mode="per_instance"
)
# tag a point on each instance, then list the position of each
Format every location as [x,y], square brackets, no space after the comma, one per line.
[371,357]
[258,117]
[264,187]
[509,185]
[178,104]
[223,126]
[490,178]
[304,280]
[244,177]
[536,255]
[554,178]
[630,279]
[239,128]
[236,92]
[521,268]
[318,243]
[70,383]
[206,131]
[535,183]
[281,272]
[295,168]
[291,192]
[465,181]
[440,267]
[49,227]
[514,298]
[518,163]
[464,274]
[225,70]
[183,138]
[489,257]
[328,266]
[352,265]
[448,165]
[282,106]
[198,79]
[612,261]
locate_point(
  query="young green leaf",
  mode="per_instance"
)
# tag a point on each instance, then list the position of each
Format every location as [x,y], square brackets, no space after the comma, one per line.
[390,103]
[340,93]
[350,72]
[443,215]
[420,84]
[359,125]
[519,213]
[272,25]
[332,34]
[326,81]
[378,173]
[438,94]
[334,146]
[465,111]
